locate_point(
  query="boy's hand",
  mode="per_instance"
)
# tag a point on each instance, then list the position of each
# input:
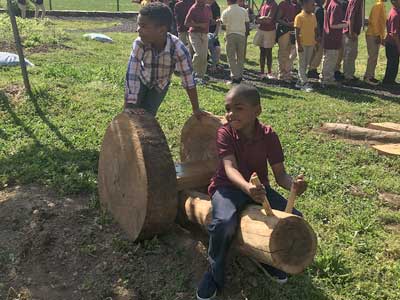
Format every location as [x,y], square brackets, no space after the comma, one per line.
[300,184]
[257,193]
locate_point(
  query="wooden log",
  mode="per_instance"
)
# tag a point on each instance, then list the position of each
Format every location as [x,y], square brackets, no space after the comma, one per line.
[136,178]
[360,133]
[388,149]
[194,174]
[198,138]
[284,241]
[385,126]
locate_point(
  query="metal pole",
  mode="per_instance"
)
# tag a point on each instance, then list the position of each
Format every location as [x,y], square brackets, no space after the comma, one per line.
[51,6]
[19,49]
[117,5]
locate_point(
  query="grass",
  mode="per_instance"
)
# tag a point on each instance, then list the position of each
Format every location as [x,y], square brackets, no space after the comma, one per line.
[54,140]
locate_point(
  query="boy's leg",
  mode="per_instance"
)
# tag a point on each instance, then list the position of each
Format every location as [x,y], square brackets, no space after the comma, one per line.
[302,66]
[340,57]
[150,99]
[42,7]
[241,54]
[309,51]
[392,65]
[373,52]
[349,57]
[227,203]
[213,51]
[317,57]
[329,61]
[283,54]
[231,54]
[22,8]
[36,11]
[199,43]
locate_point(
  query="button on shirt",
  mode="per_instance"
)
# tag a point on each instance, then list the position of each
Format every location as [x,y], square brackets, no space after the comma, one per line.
[154,69]
[234,18]
[251,155]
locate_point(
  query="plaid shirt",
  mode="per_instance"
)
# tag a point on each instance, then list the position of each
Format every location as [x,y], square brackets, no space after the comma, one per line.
[154,69]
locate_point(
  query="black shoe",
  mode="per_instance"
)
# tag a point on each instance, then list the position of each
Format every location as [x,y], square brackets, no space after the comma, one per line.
[339,76]
[313,74]
[207,288]
[277,275]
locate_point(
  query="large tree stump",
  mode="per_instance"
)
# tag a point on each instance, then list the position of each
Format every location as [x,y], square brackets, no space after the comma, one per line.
[360,133]
[136,177]
[284,241]
[198,138]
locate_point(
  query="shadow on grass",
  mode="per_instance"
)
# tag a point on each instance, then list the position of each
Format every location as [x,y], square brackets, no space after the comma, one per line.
[67,169]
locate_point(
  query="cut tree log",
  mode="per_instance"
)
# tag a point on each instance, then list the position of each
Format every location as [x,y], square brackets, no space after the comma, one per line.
[284,241]
[198,138]
[360,133]
[388,149]
[194,174]
[385,126]
[136,178]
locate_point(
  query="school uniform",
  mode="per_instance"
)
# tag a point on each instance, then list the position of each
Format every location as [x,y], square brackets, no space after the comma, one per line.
[180,12]
[391,49]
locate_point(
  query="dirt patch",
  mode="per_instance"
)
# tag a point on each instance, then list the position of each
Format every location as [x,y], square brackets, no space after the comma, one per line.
[393,228]
[390,199]
[44,48]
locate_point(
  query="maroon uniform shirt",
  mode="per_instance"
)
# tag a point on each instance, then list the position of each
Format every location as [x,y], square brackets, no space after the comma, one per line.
[181,10]
[332,38]
[264,11]
[288,11]
[199,14]
[355,11]
[251,155]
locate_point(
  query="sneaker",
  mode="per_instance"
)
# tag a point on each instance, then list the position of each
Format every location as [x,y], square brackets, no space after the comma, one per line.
[339,76]
[271,76]
[371,81]
[298,85]
[199,81]
[277,275]
[313,74]
[307,88]
[207,288]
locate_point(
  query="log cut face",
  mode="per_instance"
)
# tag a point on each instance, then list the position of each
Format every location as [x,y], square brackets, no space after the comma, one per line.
[284,241]
[136,177]
[198,138]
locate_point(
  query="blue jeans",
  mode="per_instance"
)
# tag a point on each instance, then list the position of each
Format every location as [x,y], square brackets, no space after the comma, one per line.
[213,43]
[227,204]
[150,99]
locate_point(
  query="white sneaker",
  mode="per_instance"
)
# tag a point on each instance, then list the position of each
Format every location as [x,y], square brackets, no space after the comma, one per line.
[299,85]
[307,88]
[270,76]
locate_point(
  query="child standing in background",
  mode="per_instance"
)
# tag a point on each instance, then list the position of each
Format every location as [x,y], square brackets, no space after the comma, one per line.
[375,36]
[265,36]
[318,50]
[305,25]
[392,45]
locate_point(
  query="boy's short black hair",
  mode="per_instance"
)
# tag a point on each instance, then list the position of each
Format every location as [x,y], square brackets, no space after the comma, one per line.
[246,92]
[302,2]
[159,13]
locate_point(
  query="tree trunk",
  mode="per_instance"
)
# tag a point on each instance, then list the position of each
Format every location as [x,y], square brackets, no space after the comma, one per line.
[136,177]
[360,133]
[284,241]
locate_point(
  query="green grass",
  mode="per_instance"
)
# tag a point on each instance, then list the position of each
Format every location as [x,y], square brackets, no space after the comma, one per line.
[54,139]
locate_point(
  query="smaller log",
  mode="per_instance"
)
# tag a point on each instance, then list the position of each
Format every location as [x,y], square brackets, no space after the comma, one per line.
[385,126]
[284,241]
[194,174]
[388,149]
[256,181]
[360,133]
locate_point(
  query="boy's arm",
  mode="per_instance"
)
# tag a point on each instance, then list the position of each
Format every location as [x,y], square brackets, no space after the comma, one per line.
[132,81]
[285,180]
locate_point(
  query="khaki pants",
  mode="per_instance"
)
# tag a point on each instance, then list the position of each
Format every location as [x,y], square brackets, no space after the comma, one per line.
[304,60]
[284,50]
[22,7]
[199,43]
[184,37]
[317,56]
[329,61]
[39,7]
[340,57]
[349,56]
[235,47]
[373,53]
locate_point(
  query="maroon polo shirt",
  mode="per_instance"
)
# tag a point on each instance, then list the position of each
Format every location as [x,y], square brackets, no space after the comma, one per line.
[181,10]
[355,11]
[251,155]
[266,9]
[332,38]
[199,14]
[393,25]
[288,10]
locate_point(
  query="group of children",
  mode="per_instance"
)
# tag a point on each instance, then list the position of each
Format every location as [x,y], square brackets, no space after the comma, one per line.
[39,6]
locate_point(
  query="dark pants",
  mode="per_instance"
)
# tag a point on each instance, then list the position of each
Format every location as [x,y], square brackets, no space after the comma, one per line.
[227,204]
[392,66]
[150,99]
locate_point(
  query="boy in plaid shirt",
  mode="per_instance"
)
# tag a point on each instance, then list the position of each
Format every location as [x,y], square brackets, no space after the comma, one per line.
[155,55]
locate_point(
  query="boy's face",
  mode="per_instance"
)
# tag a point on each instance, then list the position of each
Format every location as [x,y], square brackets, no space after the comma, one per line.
[149,31]
[309,6]
[240,113]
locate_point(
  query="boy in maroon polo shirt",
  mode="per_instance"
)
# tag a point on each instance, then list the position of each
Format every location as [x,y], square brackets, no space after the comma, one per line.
[244,146]
[353,18]
[181,10]
[332,41]
[198,20]
[392,45]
